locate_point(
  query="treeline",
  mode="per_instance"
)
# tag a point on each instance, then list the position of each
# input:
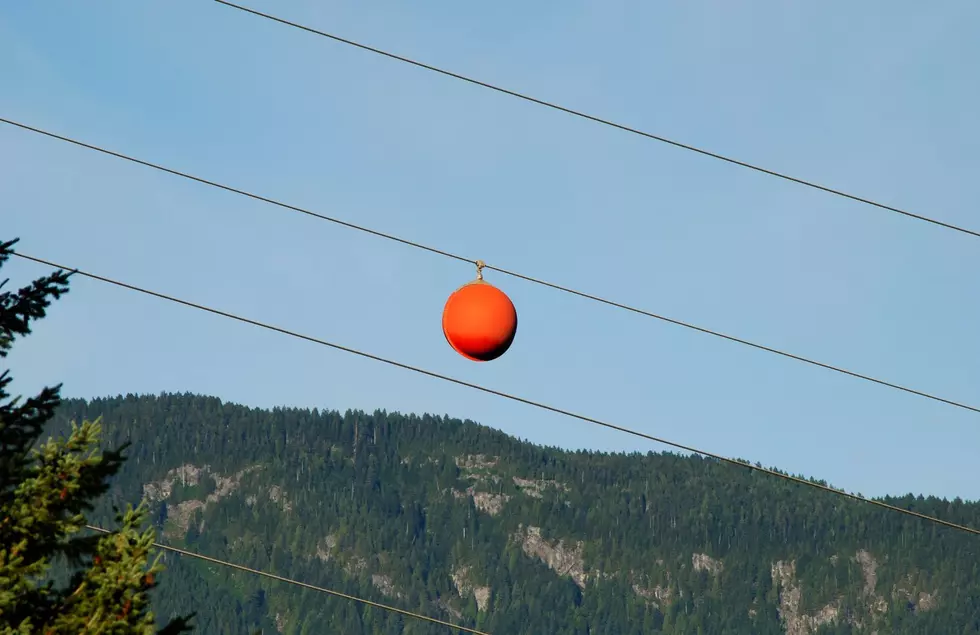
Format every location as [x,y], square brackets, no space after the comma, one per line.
[374,505]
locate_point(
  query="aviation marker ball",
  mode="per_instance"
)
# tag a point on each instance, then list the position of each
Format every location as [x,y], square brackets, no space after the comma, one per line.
[479,321]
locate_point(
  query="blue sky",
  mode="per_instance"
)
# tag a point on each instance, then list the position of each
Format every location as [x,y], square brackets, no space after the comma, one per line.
[878,98]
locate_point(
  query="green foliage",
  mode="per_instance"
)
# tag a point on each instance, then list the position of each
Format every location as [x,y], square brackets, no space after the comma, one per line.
[376,505]
[44,494]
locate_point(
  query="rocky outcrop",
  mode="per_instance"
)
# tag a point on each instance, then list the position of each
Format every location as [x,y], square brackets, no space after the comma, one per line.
[324,550]
[704,562]
[180,514]
[277,496]
[917,601]
[464,586]
[487,502]
[384,584]
[475,462]
[561,557]
[658,596]
[536,488]
[790,598]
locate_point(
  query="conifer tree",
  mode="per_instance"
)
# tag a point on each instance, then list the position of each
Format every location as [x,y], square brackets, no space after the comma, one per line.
[44,494]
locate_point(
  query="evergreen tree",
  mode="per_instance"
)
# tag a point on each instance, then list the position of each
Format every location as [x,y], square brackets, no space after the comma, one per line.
[44,494]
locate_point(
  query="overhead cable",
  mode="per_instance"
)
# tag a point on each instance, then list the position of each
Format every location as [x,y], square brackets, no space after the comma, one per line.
[536,404]
[273,576]
[606,122]
[514,274]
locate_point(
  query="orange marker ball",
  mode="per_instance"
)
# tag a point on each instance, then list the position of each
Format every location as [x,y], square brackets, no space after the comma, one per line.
[479,321]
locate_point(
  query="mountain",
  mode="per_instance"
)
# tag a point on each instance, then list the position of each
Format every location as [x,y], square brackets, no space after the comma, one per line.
[458,521]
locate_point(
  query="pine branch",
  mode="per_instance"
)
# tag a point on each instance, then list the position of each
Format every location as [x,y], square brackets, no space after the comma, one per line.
[44,495]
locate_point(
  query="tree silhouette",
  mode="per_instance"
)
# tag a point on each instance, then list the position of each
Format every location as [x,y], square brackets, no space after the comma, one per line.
[45,491]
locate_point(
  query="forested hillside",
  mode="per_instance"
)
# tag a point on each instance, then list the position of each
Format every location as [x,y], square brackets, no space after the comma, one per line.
[461,522]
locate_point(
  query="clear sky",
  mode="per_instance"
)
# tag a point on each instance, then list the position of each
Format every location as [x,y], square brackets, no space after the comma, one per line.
[878,98]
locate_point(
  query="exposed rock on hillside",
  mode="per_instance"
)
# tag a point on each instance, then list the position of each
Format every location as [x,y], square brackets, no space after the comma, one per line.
[790,598]
[464,586]
[562,558]
[704,562]
[561,541]
[189,475]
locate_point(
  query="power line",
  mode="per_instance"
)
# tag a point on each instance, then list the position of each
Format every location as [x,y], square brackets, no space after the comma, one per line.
[228,188]
[514,274]
[606,122]
[498,393]
[273,576]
